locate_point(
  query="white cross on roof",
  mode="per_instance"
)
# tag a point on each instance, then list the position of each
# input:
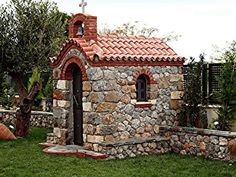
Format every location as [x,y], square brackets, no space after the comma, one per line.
[83,4]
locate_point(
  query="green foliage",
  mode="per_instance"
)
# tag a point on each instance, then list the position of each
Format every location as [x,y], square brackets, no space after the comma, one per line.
[47,88]
[226,95]
[192,113]
[66,17]
[6,92]
[36,77]
[10,125]
[1,81]
[23,158]
[31,32]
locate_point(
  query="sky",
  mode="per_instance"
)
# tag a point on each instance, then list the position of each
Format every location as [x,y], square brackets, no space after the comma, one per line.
[202,24]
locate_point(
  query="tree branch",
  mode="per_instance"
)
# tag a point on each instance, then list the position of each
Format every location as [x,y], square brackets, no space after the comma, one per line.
[27,102]
[34,91]
[22,91]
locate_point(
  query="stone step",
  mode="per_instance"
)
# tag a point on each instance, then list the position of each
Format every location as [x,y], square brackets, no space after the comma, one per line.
[73,150]
[46,144]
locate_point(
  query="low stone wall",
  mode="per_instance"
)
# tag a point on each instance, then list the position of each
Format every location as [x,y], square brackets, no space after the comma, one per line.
[38,118]
[118,149]
[201,142]
[133,147]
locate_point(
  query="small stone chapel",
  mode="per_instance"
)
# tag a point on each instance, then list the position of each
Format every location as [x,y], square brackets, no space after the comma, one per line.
[112,93]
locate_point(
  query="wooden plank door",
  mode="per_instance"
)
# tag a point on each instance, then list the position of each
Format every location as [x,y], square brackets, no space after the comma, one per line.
[77,106]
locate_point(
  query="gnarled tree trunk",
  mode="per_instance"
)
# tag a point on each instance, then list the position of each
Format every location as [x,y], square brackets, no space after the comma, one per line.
[23,113]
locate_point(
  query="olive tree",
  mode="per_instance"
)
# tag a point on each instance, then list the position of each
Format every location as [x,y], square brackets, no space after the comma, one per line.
[31,31]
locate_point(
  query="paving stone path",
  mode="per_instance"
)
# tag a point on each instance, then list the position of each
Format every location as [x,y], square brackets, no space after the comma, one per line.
[71,149]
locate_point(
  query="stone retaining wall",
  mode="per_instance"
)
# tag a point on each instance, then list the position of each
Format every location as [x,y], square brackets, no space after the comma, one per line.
[201,142]
[133,147]
[38,118]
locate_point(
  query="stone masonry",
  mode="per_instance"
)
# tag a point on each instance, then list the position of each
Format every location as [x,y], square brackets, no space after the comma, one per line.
[111,112]
[38,118]
[211,144]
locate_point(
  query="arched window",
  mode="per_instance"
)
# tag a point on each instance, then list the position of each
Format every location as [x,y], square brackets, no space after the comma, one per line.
[141,88]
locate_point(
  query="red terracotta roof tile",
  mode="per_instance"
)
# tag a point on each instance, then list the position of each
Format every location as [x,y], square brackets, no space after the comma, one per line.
[116,44]
[115,48]
[138,45]
[100,44]
[133,44]
[104,43]
[106,51]
[124,52]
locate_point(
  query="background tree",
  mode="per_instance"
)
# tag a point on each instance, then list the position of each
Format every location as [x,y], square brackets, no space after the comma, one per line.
[1,80]
[30,32]
[137,29]
[192,113]
[226,95]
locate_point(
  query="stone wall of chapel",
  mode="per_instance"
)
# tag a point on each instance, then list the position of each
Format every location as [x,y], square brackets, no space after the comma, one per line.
[110,109]
[112,112]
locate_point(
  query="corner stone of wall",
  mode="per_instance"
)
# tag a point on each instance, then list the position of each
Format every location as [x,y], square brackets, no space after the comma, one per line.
[61,103]
[59,136]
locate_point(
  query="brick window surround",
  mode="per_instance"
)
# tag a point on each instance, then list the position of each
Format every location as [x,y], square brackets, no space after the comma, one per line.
[143,103]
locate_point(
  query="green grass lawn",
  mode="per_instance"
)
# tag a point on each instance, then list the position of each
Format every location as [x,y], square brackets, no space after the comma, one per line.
[23,158]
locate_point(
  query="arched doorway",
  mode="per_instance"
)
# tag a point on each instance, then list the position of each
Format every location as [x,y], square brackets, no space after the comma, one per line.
[74,71]
[77,105]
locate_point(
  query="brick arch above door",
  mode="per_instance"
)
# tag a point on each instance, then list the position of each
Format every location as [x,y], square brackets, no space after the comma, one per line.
[66,71]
